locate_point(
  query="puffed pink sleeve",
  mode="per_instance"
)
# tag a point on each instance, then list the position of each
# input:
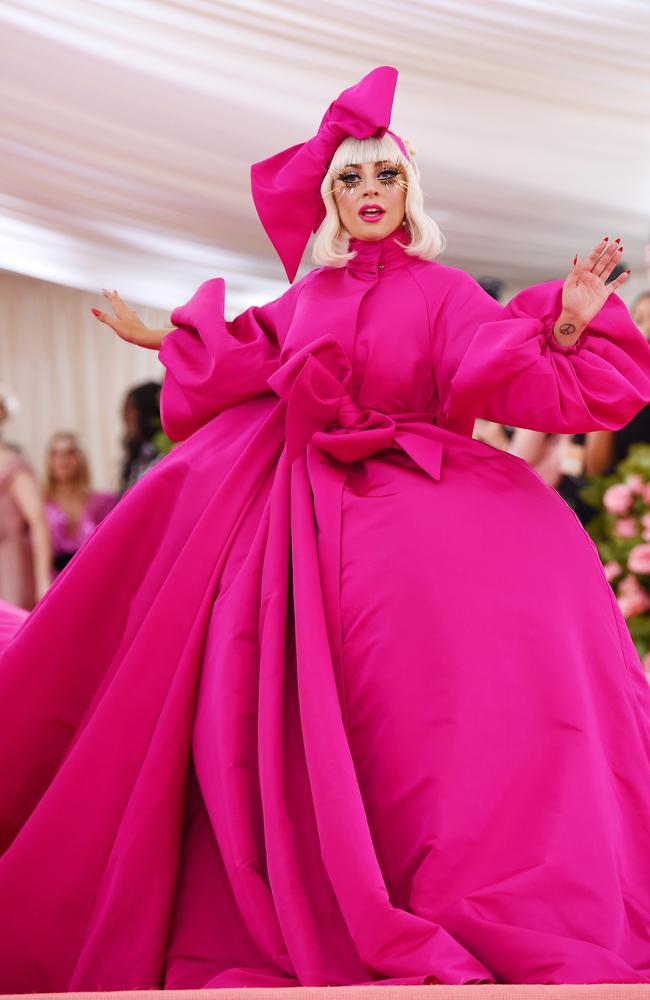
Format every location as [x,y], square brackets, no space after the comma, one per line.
[503,363]
[212,364]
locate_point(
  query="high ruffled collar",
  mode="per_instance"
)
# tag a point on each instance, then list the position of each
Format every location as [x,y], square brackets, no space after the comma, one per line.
[373,257]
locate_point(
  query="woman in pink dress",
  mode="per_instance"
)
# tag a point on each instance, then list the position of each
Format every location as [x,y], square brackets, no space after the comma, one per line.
[338,694]
[72,508]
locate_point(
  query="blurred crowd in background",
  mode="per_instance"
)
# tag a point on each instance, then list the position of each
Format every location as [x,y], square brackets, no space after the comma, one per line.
[47,513]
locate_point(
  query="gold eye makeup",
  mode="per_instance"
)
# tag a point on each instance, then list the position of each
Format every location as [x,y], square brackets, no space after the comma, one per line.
[389,175]
[392,176]
[349,179]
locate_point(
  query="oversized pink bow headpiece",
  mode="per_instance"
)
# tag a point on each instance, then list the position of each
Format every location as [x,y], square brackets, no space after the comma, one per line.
[286,187]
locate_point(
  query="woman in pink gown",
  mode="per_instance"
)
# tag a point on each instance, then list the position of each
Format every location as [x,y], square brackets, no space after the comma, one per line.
[338,694]
[72,508]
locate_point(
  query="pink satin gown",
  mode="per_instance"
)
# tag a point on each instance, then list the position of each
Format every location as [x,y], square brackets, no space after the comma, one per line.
[337,694]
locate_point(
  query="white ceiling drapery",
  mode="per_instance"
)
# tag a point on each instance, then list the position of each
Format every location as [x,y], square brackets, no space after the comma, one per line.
[127,128]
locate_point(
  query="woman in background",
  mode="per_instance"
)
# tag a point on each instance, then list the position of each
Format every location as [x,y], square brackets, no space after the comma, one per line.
[73,510]
[142,425]
[24,537]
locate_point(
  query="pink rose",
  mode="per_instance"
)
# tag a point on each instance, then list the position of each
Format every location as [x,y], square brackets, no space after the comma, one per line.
[645,520]
[632,598]
[629,585]
[639,559]
[631,606]
[618,499]
[645,660]
[612,569]
[635,483]
[626,527]
[645,493]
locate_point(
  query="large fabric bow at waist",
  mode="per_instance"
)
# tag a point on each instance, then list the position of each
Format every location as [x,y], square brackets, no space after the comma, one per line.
[320,410]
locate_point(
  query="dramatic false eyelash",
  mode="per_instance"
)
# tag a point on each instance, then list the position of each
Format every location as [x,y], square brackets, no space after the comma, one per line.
[334,192]
[340,189]
[396,181]
[346,185]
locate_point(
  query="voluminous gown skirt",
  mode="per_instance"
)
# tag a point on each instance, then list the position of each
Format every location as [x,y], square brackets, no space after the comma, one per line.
[309,708]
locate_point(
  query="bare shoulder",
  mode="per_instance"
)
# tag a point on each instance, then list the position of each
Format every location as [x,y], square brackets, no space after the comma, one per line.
[15,472]
[10,457]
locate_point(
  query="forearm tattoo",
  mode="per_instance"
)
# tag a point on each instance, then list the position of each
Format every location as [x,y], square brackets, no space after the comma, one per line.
[567,329]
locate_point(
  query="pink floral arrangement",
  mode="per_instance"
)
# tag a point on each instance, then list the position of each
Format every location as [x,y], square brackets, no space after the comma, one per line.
[621,530]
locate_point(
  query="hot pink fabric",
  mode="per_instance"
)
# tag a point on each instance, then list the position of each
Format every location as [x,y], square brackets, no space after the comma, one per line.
[11,618]
[286,186]
[337,694]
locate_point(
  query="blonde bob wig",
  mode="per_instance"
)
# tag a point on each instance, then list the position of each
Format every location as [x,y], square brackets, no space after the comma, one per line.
[331,246]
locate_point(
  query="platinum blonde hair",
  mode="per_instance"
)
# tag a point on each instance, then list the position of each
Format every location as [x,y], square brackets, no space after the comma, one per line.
[331,246]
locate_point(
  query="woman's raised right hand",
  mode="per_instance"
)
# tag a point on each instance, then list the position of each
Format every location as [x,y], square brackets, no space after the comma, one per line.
[127,324]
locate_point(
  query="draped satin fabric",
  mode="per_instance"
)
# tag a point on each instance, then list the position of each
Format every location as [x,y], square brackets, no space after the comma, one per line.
[337,694]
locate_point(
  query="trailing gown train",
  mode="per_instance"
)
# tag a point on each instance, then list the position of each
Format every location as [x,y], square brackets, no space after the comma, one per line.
[338,694]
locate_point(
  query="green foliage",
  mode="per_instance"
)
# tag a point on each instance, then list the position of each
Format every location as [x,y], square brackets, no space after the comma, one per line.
[593,492]
[634,472]
[162,443]
[637,462]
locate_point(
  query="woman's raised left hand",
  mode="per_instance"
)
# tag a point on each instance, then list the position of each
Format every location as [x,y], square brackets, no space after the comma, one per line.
[584,291]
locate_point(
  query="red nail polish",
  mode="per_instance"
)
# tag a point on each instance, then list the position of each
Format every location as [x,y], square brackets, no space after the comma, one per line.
[605,238]
[618,240]
[575,258]
[96,312]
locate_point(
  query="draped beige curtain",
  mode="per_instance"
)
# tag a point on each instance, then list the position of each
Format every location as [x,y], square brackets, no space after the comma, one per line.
[128,127]
[67,370]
